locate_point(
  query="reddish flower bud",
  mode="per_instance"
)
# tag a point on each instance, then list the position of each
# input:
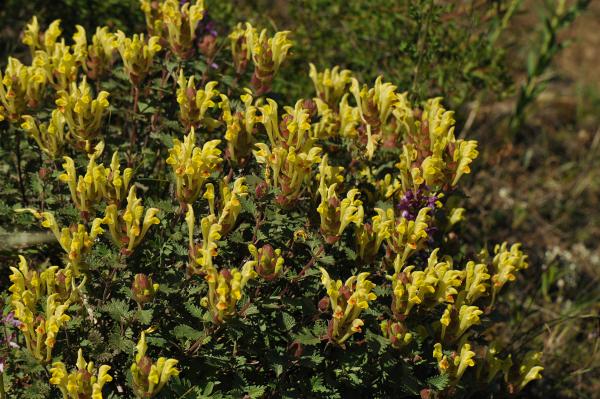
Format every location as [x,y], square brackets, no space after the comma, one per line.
[142,289]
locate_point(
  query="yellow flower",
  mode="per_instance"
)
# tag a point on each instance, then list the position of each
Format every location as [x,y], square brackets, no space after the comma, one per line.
[73,386]
[75,240]
[347,301]
[83,113]
[51,137]
[505,263]
[464,360]
[137,54]
[126,226]
[468,316]
[178,23]
[21,88]
[406,236]
[230,206]
[52,290]
[475,282]
[288,169]
[192,165]
[195,103]
[225,289]
[530,369]
[331,84]
[100,54]
[267,53]
[98,182]
[150,377]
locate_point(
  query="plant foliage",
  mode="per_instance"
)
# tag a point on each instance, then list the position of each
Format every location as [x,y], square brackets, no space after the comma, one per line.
[207,239]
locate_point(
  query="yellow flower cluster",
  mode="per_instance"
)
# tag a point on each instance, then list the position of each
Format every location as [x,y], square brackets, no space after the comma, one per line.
[439,283]
[267,53]
[100,53]
[292,154]
[402,236]
[267,261]
[192,166]
[432,156]
[375,106]
[201,256]
[225,290]
[127,229]
[79,115]
[225,286]
[21,88]
[219,222]
[99,183]
[51,137]
[53,290]
[137,54]
[456,364]
[505,263]
[336,215]
[150,377]
[240,133]
[82,112]
[59,62]
[347,301]
[75,240]
[195,103]
[175,22]
[83,383]
[458,290]
[396,332]
[229,205]
[331,84]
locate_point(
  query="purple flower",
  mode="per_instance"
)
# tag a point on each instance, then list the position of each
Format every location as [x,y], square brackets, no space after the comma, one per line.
[412,202]
[9,319]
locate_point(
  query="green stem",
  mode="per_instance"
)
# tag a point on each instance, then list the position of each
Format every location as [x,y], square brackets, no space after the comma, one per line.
[19,170]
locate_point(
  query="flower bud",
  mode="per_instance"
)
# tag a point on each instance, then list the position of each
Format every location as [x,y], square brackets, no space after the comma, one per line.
[324,304]
[142,289]
[268,262]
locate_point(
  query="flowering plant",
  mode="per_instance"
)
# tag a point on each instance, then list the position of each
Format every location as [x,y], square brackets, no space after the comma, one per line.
[252,242]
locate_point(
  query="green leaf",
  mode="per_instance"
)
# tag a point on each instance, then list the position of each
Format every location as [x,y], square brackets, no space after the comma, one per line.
[288,321]
[185,332]
[306,337]
[439,382]
[256,391]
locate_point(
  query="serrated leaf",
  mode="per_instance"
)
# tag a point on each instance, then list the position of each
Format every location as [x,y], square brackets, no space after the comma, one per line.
[256,391]
[316,384]
[306,337]
[326,260]
[186,332]
[194,310]
[117,309]
[439,382]
[288,321]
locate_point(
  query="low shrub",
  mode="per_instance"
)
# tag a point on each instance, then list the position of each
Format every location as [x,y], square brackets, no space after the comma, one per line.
[206,240]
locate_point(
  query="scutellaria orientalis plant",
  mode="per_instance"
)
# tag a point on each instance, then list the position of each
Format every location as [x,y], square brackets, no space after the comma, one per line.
[218,239]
